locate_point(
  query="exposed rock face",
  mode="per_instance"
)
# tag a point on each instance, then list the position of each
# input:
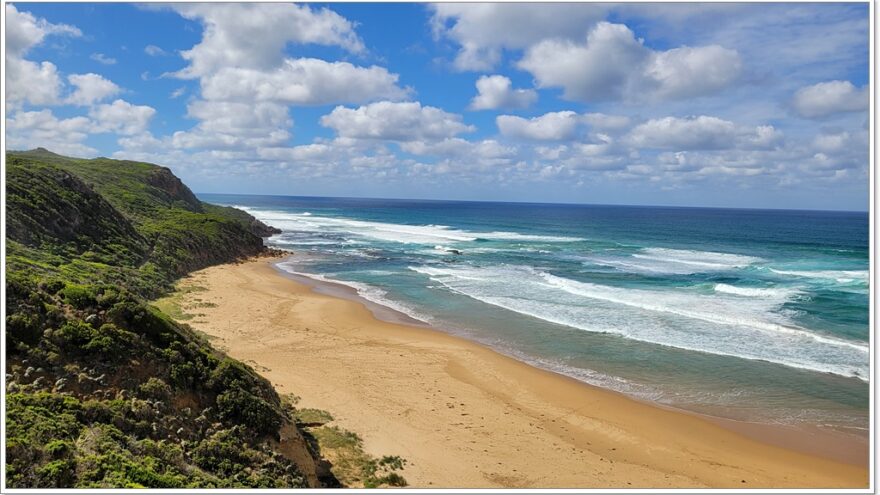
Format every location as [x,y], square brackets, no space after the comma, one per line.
[261,229]
[162,178]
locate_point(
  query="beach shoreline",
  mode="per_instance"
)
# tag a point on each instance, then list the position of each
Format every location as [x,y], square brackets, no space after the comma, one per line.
[829,443]
[428,400]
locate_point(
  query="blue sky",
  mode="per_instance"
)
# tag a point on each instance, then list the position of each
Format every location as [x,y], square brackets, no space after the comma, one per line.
[739,105]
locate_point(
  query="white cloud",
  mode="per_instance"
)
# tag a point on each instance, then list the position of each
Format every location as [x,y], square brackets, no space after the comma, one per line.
[496,92]
[229,125]
[614,65]
[37,83]
[253,36]
[599,70]
[23,31]
[687,71]
[841,150]
[830,143]
[177,93]
[483,30]
[460,148]
[606,122]
[304,81]
[32,82]
[387,120]
[154,51]
[142,143]
[90,88]
[553,126]
[247,81]
[103,59]
[28,130]
[700,133]
[121,117]
[315,151]
[827,98]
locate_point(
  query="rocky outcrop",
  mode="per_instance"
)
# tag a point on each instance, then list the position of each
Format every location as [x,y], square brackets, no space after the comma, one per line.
[175,191]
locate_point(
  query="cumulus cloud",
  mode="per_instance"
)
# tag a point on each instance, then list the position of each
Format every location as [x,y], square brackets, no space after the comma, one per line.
[700,133]
[691,71]
[484,30]
[90,88]
[143,142]
[828,98]
[314,151]
[247,81]
[551,126]
[460,148]
[607,122]
[496,92]
[599,70]
[405,121]
[27,130]
[304,81]
[227,125]
[24,31]
[121,117]
[32,82]
[833,142]
[614,65]
[254,35]
[37,83]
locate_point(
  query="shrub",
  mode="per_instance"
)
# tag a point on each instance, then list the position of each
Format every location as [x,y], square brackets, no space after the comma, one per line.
[221,454]
[242,407]
[156,389]
[74,334]
[80,296]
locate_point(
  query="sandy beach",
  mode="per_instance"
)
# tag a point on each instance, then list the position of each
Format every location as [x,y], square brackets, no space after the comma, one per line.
[465,416]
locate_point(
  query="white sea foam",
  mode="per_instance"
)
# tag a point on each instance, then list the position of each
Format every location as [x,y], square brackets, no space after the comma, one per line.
[724,324]
[513,236]
[783,292]
[366,291]
[839,276]
[389,232]
[447,249]
[676,261]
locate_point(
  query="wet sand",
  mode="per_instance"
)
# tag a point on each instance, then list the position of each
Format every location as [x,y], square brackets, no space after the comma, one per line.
[466,416]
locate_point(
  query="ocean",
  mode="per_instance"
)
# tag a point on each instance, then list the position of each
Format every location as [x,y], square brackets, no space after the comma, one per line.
[754,315]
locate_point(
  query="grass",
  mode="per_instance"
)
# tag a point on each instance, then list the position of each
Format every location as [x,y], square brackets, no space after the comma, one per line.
[173,305]
[350,463]
[312,417]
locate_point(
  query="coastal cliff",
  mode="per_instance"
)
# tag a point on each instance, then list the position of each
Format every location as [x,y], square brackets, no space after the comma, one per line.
[103,389]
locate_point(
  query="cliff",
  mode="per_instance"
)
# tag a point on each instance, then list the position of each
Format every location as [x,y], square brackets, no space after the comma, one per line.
[103,389]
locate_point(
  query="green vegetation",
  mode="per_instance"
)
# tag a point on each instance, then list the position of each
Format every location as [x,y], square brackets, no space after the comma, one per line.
[104,389]
[172,304]
[350,464]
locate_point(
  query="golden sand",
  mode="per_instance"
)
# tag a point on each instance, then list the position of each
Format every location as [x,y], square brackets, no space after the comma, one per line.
[465,416]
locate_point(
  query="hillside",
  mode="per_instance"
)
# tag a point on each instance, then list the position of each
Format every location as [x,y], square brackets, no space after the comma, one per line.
[103,389]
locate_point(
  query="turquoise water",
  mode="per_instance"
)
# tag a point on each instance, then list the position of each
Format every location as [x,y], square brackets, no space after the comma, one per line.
[746,314]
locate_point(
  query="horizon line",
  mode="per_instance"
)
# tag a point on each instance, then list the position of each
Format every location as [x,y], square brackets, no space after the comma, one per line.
[540,203]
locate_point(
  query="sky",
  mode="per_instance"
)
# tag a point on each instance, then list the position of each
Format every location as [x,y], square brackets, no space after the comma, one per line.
[714,104]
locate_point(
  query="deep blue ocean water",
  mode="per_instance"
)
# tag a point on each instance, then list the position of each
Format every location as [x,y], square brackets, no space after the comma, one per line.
[747,314]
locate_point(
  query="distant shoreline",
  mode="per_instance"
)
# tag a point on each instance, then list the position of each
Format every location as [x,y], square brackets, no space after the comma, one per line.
[466,416]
